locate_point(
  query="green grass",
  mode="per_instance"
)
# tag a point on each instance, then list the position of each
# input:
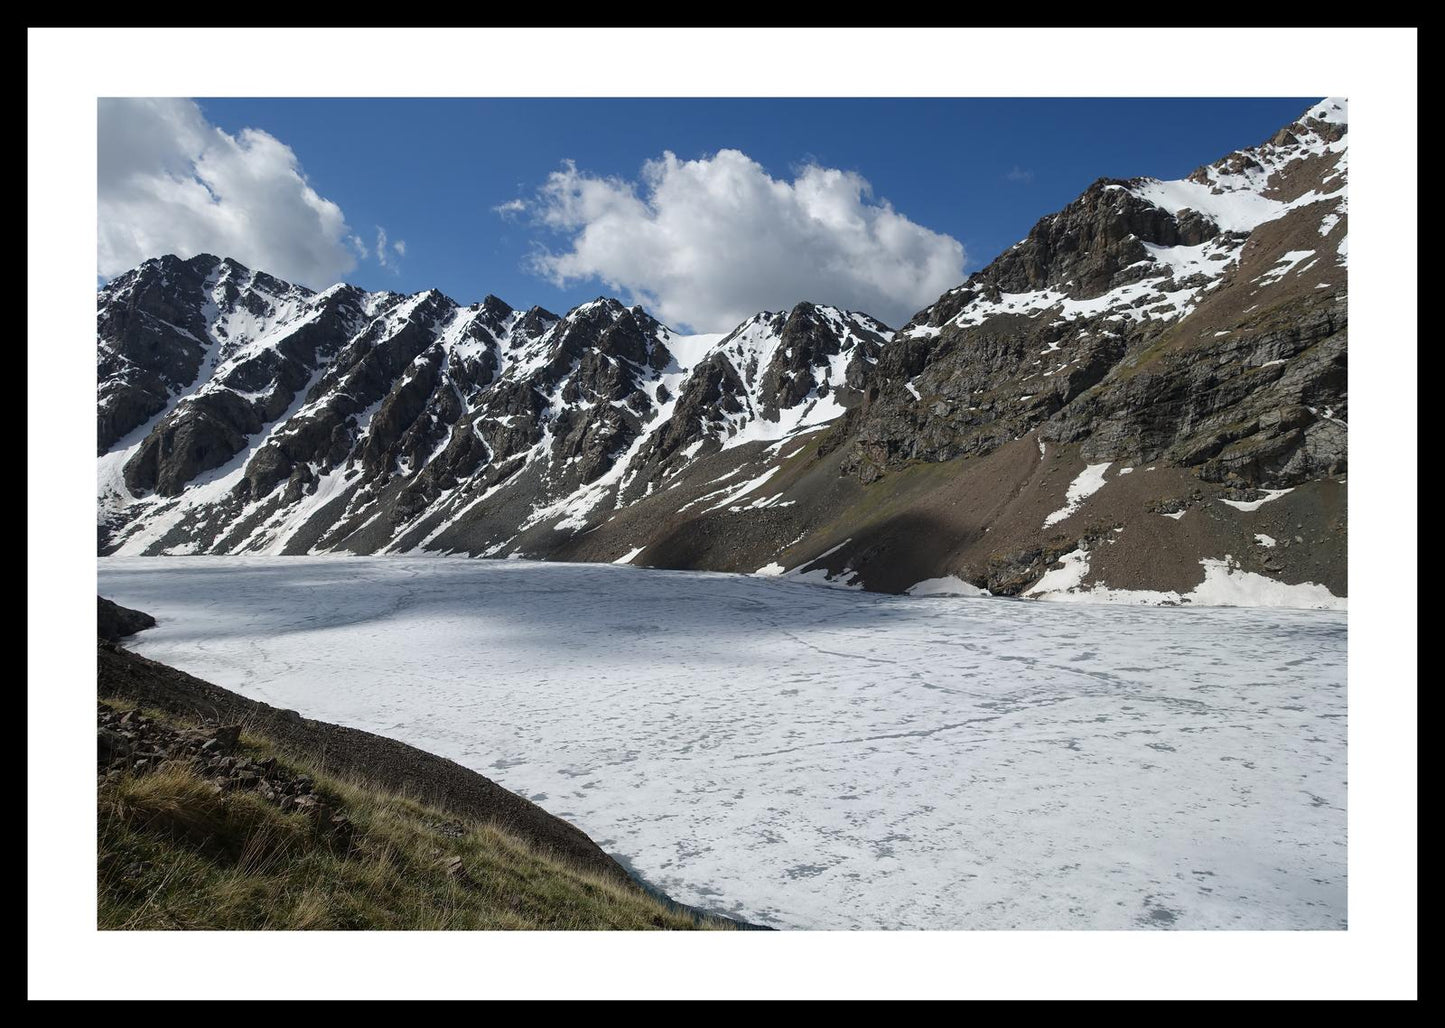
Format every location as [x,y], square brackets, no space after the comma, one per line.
[174,853]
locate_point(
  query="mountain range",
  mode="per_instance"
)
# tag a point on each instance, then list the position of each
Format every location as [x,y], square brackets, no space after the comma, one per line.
[1144,400]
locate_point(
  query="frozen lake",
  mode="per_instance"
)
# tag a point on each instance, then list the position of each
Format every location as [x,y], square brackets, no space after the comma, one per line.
[814,758]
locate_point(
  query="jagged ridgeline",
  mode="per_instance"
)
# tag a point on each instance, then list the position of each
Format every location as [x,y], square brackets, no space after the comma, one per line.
[1146,393]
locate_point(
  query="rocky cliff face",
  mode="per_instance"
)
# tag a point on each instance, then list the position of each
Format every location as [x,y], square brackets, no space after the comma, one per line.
[1198,322]
[1192,331]
[274,419]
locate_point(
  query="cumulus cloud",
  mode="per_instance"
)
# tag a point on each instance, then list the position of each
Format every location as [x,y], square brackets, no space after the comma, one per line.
[511,208]
[706,243]
[171,182]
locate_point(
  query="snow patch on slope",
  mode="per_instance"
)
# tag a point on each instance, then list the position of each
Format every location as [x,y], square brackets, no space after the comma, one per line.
[1248,505]
[1086,484]
[1224,585]
[948,585]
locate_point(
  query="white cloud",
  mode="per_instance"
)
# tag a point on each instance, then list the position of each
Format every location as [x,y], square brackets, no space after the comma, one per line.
[384,251]
[706,243]
[511,208]
[171,182]
[1017,174]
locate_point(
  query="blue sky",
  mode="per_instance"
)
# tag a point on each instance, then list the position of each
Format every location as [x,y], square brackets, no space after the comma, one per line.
[432,174]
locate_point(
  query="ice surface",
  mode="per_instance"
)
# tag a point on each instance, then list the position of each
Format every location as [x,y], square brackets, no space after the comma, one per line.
[820,758]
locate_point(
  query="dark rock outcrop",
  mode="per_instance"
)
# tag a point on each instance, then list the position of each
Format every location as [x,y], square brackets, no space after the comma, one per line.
[114,622]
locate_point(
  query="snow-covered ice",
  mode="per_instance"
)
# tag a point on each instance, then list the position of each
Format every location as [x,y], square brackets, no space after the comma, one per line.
[818,758]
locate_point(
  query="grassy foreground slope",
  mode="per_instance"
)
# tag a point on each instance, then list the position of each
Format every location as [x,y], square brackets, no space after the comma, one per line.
[201,827]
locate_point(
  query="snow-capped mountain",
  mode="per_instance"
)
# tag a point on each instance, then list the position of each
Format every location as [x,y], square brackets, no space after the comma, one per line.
[239,413]
[1134,262]
[1144,396]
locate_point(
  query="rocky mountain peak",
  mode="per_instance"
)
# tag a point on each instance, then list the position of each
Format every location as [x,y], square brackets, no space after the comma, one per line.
[1093,245]
[1303,152]
[1332,111]
[494,306]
